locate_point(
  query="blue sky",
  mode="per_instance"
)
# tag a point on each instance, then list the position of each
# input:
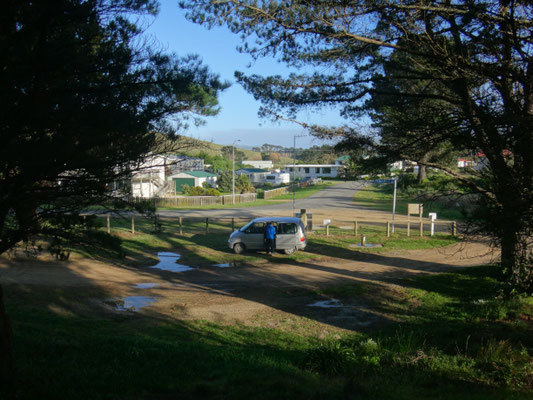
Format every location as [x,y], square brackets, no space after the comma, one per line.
[238,117]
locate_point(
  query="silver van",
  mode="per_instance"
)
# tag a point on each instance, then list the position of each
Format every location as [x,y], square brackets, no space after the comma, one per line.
[290,235]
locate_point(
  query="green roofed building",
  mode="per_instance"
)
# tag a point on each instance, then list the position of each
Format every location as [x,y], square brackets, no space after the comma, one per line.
[193,178]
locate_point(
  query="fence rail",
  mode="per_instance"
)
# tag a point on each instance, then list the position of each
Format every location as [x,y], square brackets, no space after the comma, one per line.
[269,194]
[199,201]
[354,227]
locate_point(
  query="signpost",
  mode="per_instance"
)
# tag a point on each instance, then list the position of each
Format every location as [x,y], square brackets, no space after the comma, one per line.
[395,180]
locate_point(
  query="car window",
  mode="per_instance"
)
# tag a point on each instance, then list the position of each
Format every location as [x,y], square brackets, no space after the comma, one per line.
[286,229]
[258,227]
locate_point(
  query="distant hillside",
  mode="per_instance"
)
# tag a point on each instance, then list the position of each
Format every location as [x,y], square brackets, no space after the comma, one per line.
[195,146]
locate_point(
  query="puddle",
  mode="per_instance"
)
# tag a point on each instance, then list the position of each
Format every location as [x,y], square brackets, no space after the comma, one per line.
[134,303]
[167,262]
[367,245]
[147,285]
[223,265]
[327,304]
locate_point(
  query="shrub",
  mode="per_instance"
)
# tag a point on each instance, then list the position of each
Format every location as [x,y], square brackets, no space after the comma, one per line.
[185,189]
[212,192]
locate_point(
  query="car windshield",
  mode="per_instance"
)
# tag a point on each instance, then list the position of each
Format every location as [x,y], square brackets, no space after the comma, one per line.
[246,226]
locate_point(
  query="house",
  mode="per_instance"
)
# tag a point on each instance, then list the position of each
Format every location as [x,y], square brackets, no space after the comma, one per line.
[464,163]
[277,179]
[256,175]
[192,178]
[153,177]
[313,170]
[263,164]
[149,179]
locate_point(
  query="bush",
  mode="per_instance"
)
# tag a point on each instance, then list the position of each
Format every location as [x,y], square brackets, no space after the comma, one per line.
[196,191]
[212,192]
[185,189]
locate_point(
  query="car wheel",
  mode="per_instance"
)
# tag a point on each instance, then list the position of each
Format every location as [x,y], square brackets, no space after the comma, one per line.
[290,251]
[239,248]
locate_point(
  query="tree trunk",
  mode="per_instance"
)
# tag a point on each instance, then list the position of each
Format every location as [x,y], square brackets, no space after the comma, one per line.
[517,257]
[422,174]
[7,364]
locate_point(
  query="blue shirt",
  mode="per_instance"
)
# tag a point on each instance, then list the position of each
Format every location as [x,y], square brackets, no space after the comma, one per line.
[270,232]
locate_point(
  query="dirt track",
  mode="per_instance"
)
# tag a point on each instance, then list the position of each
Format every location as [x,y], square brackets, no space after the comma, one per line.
[265,294]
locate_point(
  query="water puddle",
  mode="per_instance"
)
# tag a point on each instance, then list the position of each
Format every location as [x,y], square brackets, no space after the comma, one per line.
[147,285]
[134,303]
[327,304]
[228,265]
[366,245]
[168,262]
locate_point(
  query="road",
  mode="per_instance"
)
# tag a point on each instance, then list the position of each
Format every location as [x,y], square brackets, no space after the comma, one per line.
[333,200]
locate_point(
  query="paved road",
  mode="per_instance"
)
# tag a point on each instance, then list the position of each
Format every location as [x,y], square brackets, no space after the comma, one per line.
[336,198]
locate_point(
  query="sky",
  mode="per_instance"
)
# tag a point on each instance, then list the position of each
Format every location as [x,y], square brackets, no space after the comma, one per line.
[238,118]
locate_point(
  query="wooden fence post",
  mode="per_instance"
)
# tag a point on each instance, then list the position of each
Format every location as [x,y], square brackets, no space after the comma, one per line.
[454,228]
[181,225]
[421,229]
[207,226]
[388,228]
[108,224]
[355,228]
[327,230]
[133,224]
[408,228]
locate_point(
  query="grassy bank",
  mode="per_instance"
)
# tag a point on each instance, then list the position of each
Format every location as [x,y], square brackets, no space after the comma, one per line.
[381,196]
[444,336]
[304,192]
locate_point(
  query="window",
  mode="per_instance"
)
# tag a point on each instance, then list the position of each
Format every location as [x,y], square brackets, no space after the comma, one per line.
[271,177]
[291,169]
[317,170]
[258,227]
[286,229]
[326,170]
[306,170]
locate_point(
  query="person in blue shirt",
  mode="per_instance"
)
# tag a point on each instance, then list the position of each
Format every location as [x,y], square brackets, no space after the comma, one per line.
[270,238]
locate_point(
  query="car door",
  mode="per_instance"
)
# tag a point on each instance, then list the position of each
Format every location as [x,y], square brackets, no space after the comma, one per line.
[286,237]
[254,235]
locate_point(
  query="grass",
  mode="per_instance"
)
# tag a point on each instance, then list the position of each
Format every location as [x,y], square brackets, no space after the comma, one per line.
[300,193]
[445,344]
[256,203]
[304,192]
[197,248]
[381,196]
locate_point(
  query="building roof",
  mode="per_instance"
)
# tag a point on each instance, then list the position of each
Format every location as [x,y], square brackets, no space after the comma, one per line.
[343,158]
[313,165]
[199,174]
[252,170]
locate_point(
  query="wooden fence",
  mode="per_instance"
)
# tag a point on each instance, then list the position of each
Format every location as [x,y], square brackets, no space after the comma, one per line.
[199,201]
[355,227]
[269,194]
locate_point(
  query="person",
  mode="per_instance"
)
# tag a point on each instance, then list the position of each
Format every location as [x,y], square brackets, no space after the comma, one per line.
[270,237]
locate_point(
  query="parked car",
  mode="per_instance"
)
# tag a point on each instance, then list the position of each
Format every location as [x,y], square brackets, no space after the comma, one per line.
[290,235]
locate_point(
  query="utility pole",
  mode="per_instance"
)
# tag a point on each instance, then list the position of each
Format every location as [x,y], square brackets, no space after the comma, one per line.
[233,171]
[294,172]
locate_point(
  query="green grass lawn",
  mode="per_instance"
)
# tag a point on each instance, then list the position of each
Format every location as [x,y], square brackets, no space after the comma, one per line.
[442,336]
[449,336]
[380,197]
[304,192]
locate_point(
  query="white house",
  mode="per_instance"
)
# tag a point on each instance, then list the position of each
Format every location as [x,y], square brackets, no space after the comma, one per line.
[256,175]
[263,164]
[313,170]
[149,179]
[153,177]
[277,179]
